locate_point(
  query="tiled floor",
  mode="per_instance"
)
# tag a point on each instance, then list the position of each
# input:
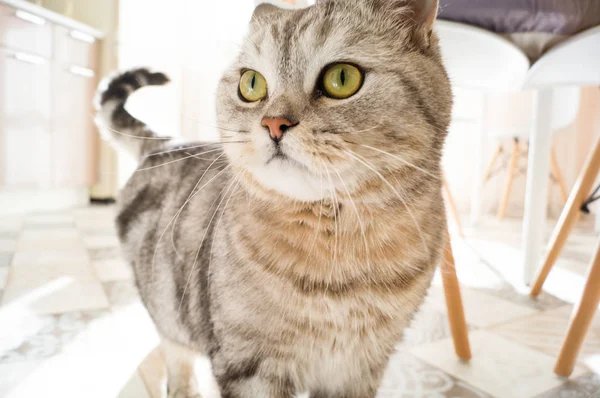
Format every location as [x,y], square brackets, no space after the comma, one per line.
[71,324]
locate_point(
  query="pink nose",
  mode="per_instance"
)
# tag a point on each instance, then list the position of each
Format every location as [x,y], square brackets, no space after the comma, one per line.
[277,126]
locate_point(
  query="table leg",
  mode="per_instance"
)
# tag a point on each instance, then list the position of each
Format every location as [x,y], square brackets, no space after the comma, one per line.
[538,170]
[597,218]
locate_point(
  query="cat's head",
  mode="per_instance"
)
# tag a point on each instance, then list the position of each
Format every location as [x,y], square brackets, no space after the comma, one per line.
[336,95]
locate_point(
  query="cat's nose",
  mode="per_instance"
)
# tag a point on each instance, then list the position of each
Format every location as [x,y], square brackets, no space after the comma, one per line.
[277,126]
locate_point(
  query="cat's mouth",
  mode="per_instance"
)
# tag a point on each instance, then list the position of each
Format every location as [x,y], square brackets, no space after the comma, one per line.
[278,155]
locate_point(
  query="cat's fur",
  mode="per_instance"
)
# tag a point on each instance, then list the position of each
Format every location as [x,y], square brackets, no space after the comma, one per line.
[300,274]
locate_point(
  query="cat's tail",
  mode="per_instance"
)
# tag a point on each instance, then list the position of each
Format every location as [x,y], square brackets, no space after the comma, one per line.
[116,124]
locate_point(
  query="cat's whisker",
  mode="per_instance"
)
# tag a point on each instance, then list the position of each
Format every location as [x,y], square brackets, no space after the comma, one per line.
[178,160]
[215,126]
[193,268]
[383,179]
[336,204]
[360,223]
[167,227]
[135,136]
[165,164]
[351,132]
[317,230]
[187,201]
[193,147]
[404,161]
[236,181]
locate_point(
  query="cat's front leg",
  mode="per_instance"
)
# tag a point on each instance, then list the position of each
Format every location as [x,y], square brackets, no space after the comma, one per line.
[181,375]
[251,378]
[365,384]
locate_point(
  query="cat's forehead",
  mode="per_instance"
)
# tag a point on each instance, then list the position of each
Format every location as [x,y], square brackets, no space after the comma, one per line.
[294,46]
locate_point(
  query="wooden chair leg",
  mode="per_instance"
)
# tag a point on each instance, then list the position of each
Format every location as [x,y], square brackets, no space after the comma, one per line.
[456,313]
[490,168]
[514,158]
[569,216]
[453,210]
[559,177]
[581,319]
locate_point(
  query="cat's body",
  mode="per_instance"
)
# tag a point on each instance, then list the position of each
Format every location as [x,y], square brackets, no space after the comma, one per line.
[291,287]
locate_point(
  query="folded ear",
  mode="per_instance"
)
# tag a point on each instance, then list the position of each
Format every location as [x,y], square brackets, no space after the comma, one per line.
[421,13]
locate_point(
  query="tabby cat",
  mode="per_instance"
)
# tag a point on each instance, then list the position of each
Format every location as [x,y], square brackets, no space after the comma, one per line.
[295,252]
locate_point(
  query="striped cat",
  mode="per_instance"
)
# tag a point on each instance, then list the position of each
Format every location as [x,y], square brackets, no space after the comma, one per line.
[294,253]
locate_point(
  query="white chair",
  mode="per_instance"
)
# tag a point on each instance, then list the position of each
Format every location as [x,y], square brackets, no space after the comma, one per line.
[482,60]
[510,117]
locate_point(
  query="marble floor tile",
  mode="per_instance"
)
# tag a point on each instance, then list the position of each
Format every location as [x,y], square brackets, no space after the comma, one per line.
[484,310]
[100,362]
[99,241]
[35,337]
[110,231]
[408,377]
[102,220]
[33,275]
[14,374]
[429,325]
[481,309]
[112,269]
[3,276]
[5,259]
[8,245]
[587,386]
[121,293]
[42,258]
[49,243]
[10,235]
[46,226]
[134,388]
[11,223]
[546,331]
[544,301]
[61,295]
[105,253]
[49,234]
[50,218]
[499,366]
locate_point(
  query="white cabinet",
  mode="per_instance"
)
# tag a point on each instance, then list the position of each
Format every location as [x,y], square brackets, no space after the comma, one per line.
[25,120]
[47,83]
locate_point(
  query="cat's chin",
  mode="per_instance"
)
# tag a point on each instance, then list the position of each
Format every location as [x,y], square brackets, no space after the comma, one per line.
[291,179]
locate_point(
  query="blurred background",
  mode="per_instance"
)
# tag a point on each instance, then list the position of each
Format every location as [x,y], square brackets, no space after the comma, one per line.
[192,41]
[71,323]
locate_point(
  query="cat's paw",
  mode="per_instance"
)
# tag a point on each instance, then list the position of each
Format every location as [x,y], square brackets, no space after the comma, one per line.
[183,393]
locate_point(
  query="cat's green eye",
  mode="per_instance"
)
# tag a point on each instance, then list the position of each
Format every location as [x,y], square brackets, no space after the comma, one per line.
[341,81]
[253,86]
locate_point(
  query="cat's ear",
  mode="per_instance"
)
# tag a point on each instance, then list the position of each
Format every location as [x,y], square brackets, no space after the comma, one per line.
[420,13]
[264,11]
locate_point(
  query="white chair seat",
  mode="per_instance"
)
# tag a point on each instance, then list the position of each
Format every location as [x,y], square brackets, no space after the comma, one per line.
[478,59]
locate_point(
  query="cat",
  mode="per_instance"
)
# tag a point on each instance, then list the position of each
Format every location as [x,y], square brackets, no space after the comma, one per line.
[294,253]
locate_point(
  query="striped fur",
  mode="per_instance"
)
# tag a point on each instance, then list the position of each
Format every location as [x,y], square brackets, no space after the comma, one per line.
[296,274]
[115,123]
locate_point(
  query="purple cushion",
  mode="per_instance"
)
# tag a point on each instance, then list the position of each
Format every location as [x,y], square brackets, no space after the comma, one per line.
[563,17]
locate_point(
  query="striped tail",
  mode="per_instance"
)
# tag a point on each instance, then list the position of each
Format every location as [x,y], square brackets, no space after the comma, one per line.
[115,123]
